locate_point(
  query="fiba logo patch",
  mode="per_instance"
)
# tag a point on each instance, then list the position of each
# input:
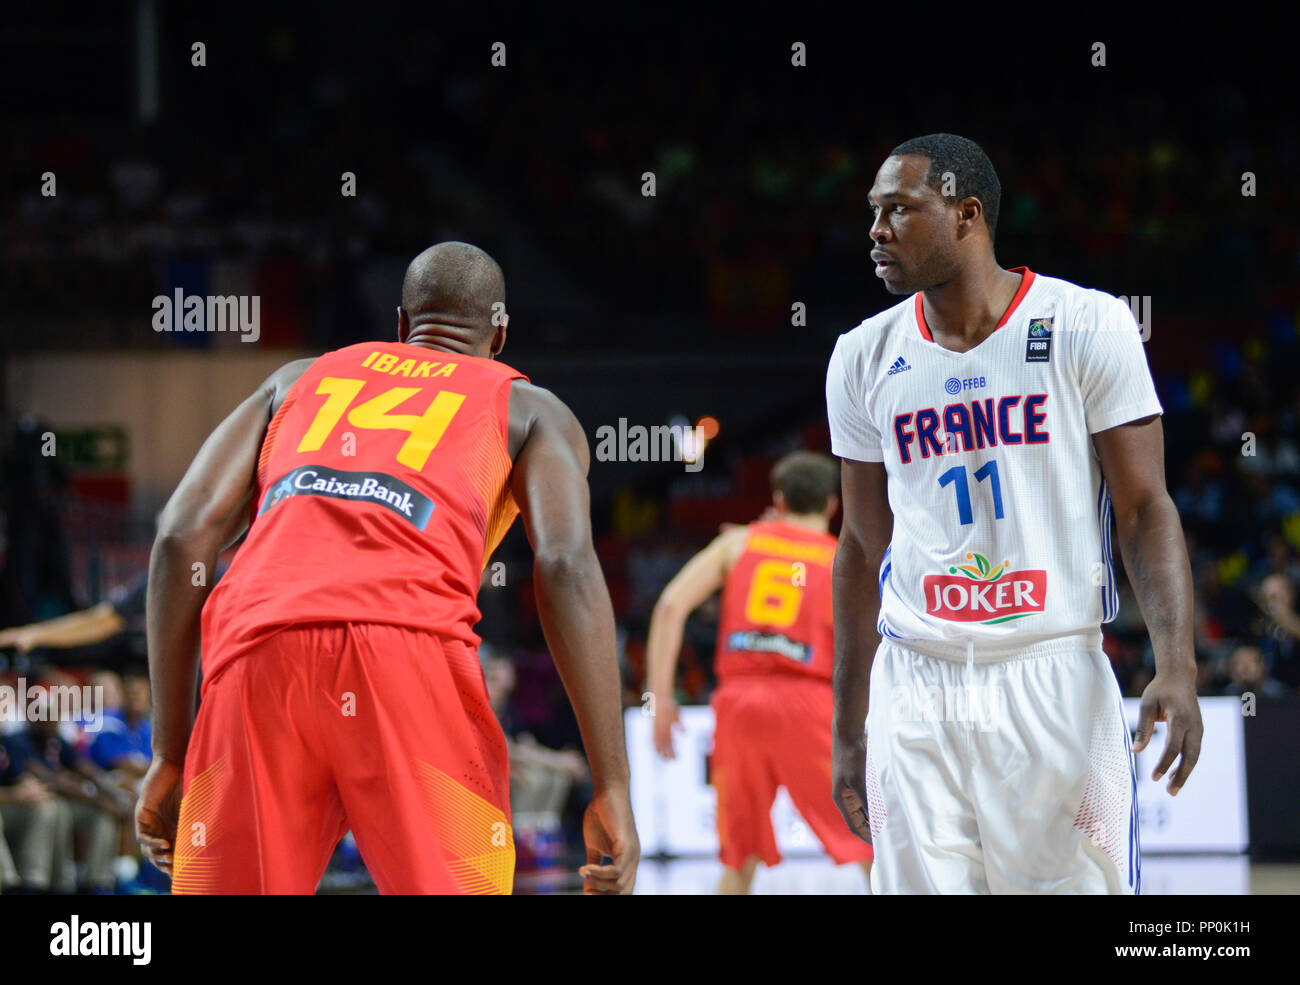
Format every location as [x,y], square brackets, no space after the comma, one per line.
[1038,346]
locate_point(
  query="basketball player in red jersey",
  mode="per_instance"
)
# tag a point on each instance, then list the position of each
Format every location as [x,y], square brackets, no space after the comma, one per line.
[341,685]
[773,662]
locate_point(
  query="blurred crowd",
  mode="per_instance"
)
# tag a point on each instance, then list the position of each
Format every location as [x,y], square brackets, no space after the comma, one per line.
[759,190]
[68,785]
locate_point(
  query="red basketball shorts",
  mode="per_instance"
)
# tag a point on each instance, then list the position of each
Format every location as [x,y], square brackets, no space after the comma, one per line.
[774,731]
[381,729]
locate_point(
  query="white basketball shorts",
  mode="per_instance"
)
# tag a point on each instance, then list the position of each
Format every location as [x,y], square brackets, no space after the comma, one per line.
[1000,771]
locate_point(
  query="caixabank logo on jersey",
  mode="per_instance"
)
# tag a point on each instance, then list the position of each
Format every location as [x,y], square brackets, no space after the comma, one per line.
[368,487]
[985,594]
[751,641]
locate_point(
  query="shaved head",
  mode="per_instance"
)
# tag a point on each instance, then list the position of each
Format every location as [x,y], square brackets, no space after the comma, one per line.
[454,284]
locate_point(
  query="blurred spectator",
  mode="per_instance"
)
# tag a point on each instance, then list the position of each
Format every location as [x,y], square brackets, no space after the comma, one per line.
[29,825]
[540,778]
[1280,628]
[123,745]
[1248,675]
[89,807]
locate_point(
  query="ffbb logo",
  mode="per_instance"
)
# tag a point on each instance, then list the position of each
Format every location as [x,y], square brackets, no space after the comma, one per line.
[979,592]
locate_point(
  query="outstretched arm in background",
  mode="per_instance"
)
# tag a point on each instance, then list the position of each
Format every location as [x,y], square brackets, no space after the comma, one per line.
[82,628]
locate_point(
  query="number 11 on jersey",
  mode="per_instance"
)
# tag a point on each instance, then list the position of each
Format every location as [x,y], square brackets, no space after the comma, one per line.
[956,477]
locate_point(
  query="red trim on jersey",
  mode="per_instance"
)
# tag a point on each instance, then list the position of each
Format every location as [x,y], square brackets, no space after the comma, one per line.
[1026,279]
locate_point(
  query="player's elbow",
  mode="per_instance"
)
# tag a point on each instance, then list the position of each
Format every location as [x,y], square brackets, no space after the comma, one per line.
[855,553]
[187,529]
[565,562]
[1153,509]
[670,607]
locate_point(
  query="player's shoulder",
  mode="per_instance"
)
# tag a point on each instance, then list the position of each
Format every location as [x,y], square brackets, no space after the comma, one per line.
[728,548]
[535,409]
[865,341]
[1078,306]
[277,386]
[527,395]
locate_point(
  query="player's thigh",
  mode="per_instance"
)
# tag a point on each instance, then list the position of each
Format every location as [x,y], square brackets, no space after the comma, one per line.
[926,835]
[421,763]
[802,763]
[741,772]
[259,813]
[1054,779]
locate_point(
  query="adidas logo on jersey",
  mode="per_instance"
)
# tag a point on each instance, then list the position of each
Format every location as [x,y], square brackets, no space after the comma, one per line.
[900,365]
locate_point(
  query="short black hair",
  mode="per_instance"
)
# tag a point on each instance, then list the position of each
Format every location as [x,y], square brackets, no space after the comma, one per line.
[969,165]
[455,281]
[807,480]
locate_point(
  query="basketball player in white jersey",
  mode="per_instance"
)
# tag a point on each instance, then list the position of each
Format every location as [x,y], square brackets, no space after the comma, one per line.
[990,426]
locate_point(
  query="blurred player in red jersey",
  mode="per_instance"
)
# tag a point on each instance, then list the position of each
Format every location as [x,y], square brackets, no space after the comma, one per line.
[774,660]
[341,684]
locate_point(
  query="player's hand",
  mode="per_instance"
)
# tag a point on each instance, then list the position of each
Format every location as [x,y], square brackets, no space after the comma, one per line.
[610,832]
[20,638]
[849,785]
[572,764]
[158,812]
[666,718]
[31,791]
[1171,698]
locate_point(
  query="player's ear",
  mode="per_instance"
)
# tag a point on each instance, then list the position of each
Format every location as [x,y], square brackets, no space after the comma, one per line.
[969,210]
[778,500]
[499,336]
[403,324]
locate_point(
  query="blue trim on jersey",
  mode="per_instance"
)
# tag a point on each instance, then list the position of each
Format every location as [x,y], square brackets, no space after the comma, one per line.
[1109,594]
[1134,834]
[885,568]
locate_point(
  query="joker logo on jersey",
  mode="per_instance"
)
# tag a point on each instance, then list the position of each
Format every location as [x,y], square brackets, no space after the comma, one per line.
[984,594]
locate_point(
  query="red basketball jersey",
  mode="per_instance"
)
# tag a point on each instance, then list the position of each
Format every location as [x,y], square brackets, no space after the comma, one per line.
[382,490]
[776,605]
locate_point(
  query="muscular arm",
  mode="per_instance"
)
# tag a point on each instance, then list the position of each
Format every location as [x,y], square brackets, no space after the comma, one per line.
[864,538]
[549,482]
[1155,557]
[207,512]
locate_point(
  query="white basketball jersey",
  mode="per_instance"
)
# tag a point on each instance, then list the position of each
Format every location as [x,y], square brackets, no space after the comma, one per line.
[1001,515]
